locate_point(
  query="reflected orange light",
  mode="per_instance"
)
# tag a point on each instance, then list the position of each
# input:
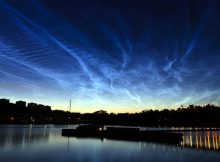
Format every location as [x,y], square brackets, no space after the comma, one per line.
[197,143]
[205,142]
[200,139]
[209,146]
[190,138]
[209,140]
[216,142]
[213,141]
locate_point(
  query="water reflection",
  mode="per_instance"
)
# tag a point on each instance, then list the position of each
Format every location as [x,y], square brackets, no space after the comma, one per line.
[44,143]
[209,140]
[22,136]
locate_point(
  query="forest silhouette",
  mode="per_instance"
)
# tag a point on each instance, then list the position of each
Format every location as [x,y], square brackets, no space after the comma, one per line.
[32,113]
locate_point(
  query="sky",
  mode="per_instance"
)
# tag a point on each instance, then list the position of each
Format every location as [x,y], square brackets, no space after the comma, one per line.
[114,55]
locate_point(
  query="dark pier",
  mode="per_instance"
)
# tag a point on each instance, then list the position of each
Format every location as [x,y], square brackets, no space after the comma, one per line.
[123,133]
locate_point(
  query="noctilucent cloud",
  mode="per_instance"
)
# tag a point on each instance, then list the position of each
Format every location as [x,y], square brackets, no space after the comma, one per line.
[116,55]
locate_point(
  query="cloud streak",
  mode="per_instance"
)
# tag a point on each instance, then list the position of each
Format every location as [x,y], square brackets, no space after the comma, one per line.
[110,60]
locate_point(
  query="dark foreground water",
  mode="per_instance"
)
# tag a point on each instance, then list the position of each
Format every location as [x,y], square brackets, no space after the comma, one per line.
[31,143]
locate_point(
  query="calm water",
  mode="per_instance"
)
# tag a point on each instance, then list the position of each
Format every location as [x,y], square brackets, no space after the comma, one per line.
[31,143]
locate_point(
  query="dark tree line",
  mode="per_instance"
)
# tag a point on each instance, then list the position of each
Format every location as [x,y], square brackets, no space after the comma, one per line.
[191,116]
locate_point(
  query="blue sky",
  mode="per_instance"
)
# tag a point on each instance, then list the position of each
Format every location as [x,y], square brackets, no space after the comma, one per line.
[120,56]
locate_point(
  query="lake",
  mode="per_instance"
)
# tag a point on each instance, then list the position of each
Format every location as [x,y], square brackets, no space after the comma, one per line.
[44,143]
